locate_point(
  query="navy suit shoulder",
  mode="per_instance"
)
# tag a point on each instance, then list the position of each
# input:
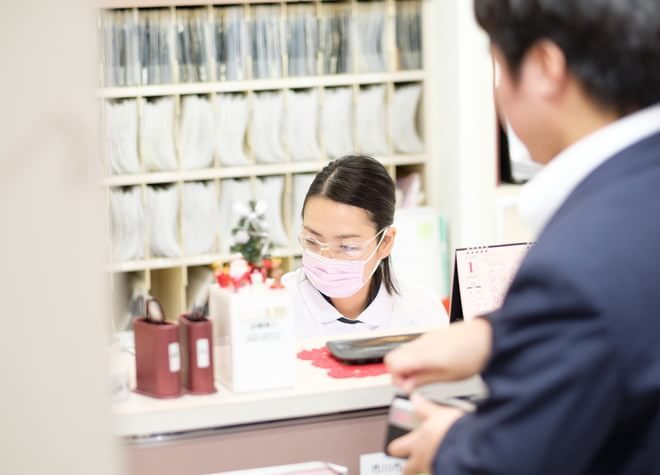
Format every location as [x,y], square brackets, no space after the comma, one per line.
[606,236]
[575,369]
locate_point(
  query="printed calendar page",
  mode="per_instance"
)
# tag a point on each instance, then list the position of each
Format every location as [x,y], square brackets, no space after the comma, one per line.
[484,275]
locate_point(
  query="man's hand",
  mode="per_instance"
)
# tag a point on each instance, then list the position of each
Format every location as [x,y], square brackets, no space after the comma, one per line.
[454,353]
[420,445]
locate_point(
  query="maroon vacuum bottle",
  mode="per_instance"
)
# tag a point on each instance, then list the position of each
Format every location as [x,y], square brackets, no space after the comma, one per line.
[157,358]
[197,353]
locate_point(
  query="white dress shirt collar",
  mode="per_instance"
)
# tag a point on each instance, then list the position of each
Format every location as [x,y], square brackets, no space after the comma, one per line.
[324,312]
[546,192]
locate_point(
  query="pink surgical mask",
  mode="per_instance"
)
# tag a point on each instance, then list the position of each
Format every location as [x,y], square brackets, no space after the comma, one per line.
[337,278]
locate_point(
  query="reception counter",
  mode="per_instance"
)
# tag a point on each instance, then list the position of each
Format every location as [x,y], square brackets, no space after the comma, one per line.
[319,418]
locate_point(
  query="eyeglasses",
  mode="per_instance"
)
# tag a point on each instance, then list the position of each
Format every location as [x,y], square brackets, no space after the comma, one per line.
[345,249]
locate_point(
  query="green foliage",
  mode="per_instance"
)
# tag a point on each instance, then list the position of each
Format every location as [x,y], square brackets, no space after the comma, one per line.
[251,235]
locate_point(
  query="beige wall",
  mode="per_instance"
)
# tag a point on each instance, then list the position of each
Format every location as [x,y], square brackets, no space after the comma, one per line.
[54,408]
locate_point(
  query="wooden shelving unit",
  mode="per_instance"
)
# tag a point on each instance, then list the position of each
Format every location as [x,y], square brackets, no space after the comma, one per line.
[307,82]
[243,172]
[167,278]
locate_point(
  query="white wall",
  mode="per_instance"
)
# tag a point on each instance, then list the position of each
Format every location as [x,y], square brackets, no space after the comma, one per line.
[463,123]
[54,409]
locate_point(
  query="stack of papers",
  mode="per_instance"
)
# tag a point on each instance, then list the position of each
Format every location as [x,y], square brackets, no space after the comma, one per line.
[265,38]
[409,34]
[230,35]
[155,27]
[371,53]
[192,38]
[121,62]
[308,468]
[335,38]
[302,39]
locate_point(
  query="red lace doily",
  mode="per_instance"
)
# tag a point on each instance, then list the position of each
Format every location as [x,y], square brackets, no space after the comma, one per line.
[321,358]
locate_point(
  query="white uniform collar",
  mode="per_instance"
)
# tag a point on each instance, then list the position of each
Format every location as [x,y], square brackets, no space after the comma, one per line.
[324,312]
[546,192]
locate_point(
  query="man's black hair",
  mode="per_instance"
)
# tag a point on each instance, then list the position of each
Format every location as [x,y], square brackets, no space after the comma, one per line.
[611,46]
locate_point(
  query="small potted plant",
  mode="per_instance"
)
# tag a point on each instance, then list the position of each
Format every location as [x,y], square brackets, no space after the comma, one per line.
[251,239]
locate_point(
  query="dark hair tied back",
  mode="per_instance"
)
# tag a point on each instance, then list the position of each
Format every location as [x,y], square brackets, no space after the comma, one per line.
[363,182]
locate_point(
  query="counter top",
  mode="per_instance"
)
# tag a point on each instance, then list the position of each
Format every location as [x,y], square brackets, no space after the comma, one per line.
[314,394]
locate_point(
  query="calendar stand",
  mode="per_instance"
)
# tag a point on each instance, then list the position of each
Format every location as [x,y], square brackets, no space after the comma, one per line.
[481,278]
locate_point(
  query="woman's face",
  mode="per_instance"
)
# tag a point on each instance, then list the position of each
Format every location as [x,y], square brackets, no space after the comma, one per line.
[344,226]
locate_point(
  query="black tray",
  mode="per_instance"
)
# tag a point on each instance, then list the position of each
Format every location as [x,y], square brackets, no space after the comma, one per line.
[367,350]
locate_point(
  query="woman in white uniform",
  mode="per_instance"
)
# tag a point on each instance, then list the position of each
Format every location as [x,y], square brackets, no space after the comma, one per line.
[346,284]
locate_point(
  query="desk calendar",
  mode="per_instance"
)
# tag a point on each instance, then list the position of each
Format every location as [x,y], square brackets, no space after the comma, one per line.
[482,276]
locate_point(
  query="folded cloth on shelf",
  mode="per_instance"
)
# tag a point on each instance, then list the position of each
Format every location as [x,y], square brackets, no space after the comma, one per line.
[337,121]
[121,135]
[266,130]
[128,224]
[402,113]
[269,190]
[162,208]
[231,121]
[196,133]
[199,217]
[370,124]
[301,124]
[157,134]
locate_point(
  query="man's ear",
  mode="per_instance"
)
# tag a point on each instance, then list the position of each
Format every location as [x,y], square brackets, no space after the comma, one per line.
[385,248]
[544,70]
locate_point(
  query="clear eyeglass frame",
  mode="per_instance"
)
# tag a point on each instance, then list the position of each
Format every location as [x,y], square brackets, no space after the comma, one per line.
[345,250]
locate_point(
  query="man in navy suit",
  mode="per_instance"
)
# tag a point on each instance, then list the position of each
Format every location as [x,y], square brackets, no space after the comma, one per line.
[572,358]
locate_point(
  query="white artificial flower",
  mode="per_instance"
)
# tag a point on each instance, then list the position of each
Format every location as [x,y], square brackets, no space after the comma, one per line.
[241,208]
[241,236]
[260,207]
